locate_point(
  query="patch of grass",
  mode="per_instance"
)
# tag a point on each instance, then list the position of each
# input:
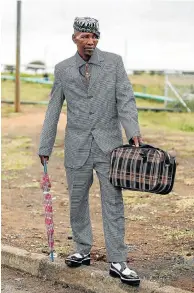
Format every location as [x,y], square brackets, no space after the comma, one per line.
[179,106]
[58,153]
[63,251]
[177,234]
[152,89]
[182,148]
[185,203]
[187,127]
[15,154]
[59,142]
[31,185]
[147,80]
[35,75]
[186,151]
[148,103]
[135,218]
[17,161]
[174,233]
[29,91]
[6,176]
[172,121]
[135,197]
[8,111]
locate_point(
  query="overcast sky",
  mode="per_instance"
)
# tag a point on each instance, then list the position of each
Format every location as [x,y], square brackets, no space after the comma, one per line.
[147,34]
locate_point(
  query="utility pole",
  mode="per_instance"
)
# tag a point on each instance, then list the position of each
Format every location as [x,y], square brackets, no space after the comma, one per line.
[17,76]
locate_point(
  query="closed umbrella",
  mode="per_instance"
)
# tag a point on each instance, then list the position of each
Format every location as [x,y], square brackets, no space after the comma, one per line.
[46,185]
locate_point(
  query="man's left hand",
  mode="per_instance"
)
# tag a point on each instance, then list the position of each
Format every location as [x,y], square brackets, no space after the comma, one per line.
[137,140]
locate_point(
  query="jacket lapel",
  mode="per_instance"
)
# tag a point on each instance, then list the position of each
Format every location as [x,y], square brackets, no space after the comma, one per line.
[98,61]
[78,62]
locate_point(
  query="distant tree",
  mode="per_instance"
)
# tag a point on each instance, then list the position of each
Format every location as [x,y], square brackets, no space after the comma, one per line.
[138,72]
[10,68]
[152,72]
[188,72]
[158,72]
[36,65]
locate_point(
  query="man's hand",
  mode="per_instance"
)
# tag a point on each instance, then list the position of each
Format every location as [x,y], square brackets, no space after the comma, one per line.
[136,140]
[42,158]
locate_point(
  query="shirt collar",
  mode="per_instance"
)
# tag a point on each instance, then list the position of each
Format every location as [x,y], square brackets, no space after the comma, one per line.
[93,59]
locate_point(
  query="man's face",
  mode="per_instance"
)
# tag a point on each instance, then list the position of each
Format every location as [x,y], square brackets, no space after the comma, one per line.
[86,43]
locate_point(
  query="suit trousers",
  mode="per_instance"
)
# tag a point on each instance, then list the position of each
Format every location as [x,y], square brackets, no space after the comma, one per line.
[79,182]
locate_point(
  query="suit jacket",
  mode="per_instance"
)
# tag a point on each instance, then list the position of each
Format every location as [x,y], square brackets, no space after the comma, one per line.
[93,111]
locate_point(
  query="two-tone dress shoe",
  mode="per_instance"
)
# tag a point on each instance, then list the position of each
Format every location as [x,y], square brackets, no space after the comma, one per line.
[122,271]
[78,259]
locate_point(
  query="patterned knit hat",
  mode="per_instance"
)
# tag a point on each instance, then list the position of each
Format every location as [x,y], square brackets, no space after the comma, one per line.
[86,24]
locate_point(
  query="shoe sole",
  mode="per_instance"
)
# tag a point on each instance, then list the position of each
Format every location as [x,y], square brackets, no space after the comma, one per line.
[132,282]
[74,263]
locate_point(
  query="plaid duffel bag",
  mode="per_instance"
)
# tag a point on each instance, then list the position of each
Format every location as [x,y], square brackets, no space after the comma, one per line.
[143,168]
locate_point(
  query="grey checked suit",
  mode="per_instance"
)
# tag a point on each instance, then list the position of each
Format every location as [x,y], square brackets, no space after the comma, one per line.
[95,113]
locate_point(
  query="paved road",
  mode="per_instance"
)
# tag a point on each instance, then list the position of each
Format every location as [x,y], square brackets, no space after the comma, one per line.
[16,282]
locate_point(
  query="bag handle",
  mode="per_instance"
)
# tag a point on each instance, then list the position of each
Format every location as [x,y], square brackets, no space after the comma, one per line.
[144,146]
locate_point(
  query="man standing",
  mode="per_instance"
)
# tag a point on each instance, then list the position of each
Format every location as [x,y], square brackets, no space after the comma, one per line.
[99,96]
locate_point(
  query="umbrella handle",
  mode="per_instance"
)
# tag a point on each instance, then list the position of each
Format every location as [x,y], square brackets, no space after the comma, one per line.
[52,256]
[45,166]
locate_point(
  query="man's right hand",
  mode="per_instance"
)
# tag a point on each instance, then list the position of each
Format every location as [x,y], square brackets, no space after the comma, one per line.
[42,158]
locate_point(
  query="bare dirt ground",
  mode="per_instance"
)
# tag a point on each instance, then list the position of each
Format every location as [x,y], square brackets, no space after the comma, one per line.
[159,229]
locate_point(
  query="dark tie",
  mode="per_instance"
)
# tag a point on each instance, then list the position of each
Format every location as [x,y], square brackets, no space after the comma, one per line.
[87,74]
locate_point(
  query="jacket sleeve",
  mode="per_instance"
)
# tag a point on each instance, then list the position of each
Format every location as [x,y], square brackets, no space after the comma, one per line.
[49,129]
[126,105]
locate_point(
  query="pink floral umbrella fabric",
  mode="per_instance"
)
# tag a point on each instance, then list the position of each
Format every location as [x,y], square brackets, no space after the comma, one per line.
[46,185]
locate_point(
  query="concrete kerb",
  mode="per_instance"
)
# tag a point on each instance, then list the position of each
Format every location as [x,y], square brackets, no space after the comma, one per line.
[88,279]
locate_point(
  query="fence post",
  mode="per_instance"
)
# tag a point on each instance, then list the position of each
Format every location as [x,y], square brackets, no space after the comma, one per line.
[17,77]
